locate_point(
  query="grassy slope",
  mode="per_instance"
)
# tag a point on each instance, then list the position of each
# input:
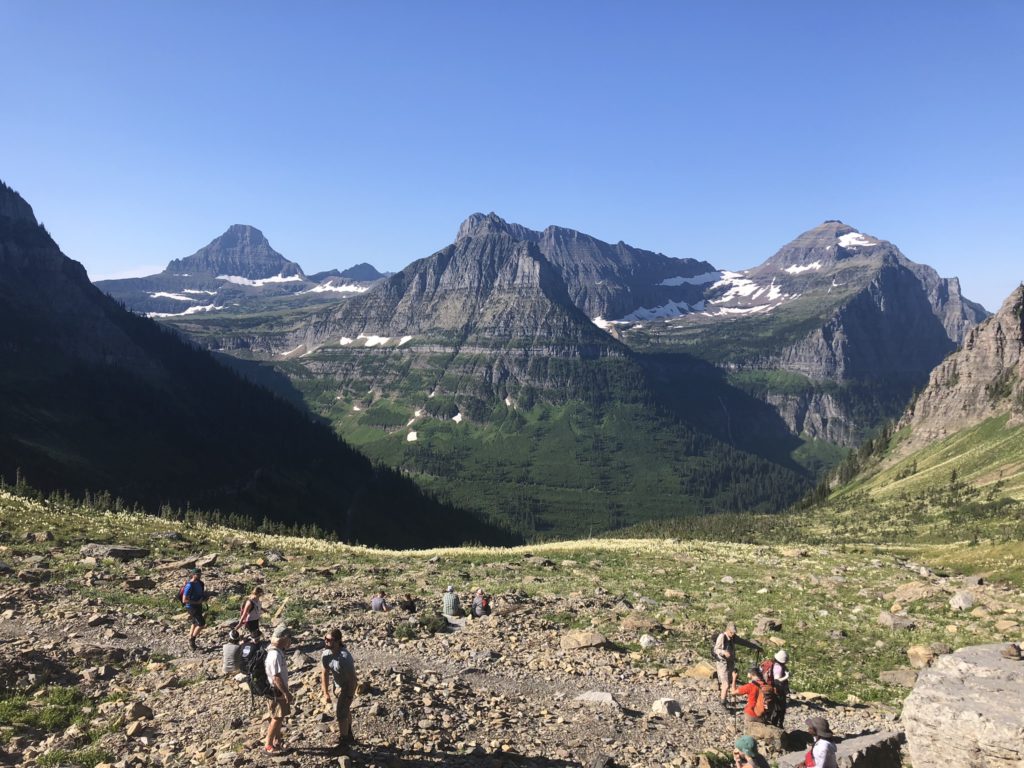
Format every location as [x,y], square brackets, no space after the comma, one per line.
[825,589]
[989,456]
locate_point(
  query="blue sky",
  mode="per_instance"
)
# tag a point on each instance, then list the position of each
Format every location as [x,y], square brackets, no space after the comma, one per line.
[354,132]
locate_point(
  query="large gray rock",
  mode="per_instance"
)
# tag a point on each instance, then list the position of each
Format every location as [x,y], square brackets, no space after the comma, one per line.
[967,710]
[894,621]
[875,750]
[582,638]
[116,551]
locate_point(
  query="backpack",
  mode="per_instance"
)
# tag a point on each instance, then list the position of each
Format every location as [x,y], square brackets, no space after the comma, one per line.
[254,658]
[765,702]
[768,671]
[180,595]
[711,645]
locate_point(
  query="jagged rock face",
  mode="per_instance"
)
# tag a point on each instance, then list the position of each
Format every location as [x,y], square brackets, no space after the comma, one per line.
[886,331]
[242,251]
[817,415]
[14,207]
[487,288]
[602,279]
[965,711]
[984,378]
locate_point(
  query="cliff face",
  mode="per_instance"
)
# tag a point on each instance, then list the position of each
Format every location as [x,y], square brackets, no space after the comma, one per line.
[984,378]
[242,251]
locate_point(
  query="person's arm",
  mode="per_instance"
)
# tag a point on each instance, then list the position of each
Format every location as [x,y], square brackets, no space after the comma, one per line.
[720,649]
[325,683]
[246,608]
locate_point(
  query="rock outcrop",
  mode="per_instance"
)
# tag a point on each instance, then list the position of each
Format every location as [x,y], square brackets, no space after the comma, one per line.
[983,379]
[873,750]
[966,711]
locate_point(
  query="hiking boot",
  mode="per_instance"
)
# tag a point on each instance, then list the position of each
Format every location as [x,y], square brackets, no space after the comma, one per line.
[192,643]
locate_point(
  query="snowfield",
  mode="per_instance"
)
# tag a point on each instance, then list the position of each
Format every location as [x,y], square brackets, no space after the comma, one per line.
[854,240]
[237,280]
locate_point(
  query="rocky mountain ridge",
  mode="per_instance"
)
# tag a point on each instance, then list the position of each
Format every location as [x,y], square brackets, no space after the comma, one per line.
[984,378]
[238,271]
[95,398]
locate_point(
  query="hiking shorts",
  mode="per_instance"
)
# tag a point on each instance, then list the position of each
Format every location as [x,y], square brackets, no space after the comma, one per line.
[253,628]
[280,708]
[195,612]
[724,668]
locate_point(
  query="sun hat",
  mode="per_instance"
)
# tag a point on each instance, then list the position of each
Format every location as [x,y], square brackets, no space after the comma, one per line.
[450,588]
[747,745]
[820,727]
[782,657]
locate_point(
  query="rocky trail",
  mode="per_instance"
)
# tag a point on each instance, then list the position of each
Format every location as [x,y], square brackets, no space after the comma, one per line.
[526,686]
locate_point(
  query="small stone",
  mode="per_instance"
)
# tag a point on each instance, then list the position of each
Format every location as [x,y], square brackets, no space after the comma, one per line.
[667,708]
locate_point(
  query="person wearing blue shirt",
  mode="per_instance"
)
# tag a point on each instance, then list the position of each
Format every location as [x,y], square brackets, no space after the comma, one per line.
[193,597]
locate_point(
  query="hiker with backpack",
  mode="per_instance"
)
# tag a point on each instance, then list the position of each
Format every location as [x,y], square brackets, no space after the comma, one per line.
[193,597]
[822,753]
[760,697]
[780,679]
[481,605]
[276,668]
[338,666]
[252,610]
[450,605]
[723,652]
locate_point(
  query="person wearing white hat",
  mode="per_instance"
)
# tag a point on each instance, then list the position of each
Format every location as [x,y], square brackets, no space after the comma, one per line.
[450,605]
[780,673]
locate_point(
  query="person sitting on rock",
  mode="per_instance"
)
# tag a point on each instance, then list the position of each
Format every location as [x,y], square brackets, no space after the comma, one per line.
[338,666]
[725,658]
[252,610]
[407,603]
[822,753]
[450,605]
[780,678]
[379,602]
[481,605]
[194,598]
[758,707]
[745,754]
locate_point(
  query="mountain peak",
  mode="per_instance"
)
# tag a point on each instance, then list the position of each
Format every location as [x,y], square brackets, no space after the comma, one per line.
[481,224]
[13,206]
[241,251]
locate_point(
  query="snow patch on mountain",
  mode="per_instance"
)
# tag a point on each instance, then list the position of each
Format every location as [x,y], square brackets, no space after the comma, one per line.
[411,437]
[189,311]
[704,279]
[457,418]
[345,341]
[199,291]
[738,286]
[374,341]
[671,309]
[238,280]
[165,295]
[404,339]
[796,269]
[334,288]
[853,240]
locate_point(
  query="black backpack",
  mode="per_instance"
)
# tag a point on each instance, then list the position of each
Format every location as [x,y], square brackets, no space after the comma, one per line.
[254,658]
[711,646]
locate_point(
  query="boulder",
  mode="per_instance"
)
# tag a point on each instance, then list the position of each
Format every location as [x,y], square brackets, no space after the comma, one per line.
[702,670]
[206,561]
[767,624]
[600,698]
[874,750]
[768,736]
[647,642]
[116,551]
[920,656]
[911,591]
[582,638]
[961,601]
[137,711]
[893,621]
[666,708]
[902,677]
[965,711]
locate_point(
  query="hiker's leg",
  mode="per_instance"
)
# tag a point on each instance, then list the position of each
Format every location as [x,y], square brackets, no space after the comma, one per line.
[344,713]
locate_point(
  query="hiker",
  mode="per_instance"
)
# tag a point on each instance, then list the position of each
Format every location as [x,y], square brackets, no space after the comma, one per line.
[780,679]
[822,753]
[745,754]
[760,697]
[481,605]
[252,610]
[379,603]
[338,665]
[725,658]
[194,597]
[450,603]
[407,603]
[277,674]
